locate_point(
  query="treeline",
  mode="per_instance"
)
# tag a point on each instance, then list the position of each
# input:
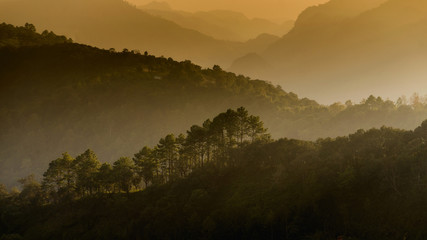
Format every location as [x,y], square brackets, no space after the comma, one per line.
[14,36]
[55,97]
[68,96]
[172,158]
[368,185]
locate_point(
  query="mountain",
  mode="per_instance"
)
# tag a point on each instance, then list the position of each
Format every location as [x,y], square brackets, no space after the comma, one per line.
[220,24]
[61,96]
[311,33]
[160,6]
[116,24]
[260,43]
[252,64]
[337,51]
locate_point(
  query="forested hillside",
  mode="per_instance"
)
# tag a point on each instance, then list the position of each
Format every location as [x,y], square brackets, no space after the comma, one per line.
[117,24]
[237,185]
[60,96]
[118,121]
[11,36]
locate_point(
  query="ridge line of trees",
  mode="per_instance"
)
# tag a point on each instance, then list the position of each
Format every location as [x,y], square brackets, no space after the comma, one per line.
[172,158]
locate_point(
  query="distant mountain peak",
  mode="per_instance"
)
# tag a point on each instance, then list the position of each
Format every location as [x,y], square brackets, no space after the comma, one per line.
[157,5]
[265,36]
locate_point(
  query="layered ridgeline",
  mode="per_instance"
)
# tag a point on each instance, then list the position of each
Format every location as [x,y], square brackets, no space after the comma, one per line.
[59,96]
[117,24]
[220,24]
[368,185]
[349,49]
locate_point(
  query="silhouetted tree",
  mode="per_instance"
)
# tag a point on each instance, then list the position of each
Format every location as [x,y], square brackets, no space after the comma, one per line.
[59,178]
[31,191]
[145,164]
[123,171]
[86,167]
[167,152]
[105,178]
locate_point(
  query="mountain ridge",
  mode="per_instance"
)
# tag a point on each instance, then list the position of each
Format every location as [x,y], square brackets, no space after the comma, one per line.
[117,24]
[220,24]
[67,97]
[368,49]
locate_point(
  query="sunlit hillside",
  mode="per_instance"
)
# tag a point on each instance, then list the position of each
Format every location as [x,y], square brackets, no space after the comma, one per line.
[60,96]
[337,51]
[213,119]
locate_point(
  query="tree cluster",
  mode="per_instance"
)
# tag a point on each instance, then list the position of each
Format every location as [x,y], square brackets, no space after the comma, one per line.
[172,158]
[368,185]
[11,36]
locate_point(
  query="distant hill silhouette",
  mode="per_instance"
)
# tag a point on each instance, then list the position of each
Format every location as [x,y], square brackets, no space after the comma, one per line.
[259,44]
[117,24]
[337,51]
[220,24]
[155,5]
[253,65]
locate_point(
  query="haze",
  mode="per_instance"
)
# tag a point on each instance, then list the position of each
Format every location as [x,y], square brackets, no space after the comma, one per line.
[278,10]
[57,96]
[203,119]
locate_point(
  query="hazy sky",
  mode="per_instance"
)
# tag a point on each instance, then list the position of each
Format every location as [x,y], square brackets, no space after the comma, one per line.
[271,9]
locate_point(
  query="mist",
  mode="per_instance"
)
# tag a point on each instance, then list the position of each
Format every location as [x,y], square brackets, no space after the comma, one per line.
[276,119]
[276,10]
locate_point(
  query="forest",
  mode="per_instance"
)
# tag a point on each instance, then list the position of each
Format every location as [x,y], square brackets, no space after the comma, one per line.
[227,179]
[172,158]
[121,144]
[62,96]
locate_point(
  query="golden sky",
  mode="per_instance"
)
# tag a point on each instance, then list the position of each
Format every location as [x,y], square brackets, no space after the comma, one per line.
[271,9]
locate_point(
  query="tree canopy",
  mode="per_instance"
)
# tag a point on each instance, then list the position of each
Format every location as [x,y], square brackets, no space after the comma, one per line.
[59,95]
[368,185]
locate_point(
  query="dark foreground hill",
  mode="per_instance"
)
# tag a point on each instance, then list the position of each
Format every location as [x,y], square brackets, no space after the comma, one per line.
[368,185]
[60,96]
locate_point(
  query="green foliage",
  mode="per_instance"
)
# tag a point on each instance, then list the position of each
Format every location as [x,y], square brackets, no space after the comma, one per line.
[86,167]
[172,158]
[12,36]
[3,191]
[224,179]
[58,95]
[105,178]
[146,164]
[123,173]
[368,185]
[31,193]
[59,179]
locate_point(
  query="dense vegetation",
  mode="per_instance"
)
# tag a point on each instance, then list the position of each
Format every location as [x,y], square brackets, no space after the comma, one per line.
[369,185]
[171,159]
[27,36]
[60,96]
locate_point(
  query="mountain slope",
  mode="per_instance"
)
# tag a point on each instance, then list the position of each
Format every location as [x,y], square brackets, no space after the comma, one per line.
[220,24]
[368,51]
[368,185]
[116,24]
[59,96]
[70,96]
